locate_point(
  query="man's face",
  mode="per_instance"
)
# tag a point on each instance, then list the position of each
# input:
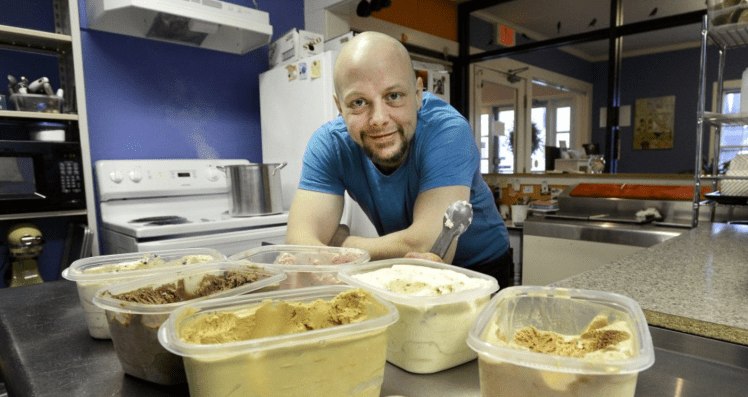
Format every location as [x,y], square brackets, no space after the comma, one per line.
[379,105]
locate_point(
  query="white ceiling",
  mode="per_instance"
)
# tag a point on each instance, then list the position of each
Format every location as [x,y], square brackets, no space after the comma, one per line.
[539,20]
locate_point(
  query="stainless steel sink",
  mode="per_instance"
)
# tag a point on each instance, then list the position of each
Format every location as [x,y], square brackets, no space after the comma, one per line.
[600,230]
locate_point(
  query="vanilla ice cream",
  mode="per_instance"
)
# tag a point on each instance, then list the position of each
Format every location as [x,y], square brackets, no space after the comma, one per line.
[92,274]
[531,342]
[437,304]
[319,341]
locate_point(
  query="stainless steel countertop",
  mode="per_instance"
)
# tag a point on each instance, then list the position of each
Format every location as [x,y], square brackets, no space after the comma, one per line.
[45,350]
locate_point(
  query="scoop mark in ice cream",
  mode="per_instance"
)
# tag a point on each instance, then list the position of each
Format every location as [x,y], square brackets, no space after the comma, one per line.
[594,338]
[414,280]
[405,287]
[176,292]
[278,317]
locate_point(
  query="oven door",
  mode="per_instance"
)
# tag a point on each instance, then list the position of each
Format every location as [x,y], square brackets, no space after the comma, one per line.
[227,243]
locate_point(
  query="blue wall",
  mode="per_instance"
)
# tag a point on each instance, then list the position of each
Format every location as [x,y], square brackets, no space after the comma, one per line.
[148,99]
[152,100]
[664,74]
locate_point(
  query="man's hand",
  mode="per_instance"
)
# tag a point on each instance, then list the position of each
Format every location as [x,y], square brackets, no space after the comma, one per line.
[429,256]
[340,235]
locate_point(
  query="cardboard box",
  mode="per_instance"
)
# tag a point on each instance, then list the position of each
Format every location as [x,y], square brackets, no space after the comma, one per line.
[337,43]
[293,46]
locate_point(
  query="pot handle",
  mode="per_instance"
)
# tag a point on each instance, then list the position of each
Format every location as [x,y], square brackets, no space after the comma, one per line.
[281,165]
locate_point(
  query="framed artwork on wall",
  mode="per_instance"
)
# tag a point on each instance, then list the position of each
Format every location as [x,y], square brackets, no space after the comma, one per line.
[654,121]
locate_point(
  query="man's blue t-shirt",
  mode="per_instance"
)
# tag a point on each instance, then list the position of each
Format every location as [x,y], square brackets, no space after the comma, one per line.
[442,153]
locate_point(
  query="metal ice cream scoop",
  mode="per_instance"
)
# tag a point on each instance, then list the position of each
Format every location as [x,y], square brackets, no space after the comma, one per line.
[457,219]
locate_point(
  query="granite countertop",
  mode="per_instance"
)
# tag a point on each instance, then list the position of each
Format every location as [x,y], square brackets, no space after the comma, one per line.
[695,283]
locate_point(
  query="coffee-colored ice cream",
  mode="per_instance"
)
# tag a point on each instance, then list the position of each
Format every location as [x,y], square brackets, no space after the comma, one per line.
[600,342]
[340,365]
[278,318]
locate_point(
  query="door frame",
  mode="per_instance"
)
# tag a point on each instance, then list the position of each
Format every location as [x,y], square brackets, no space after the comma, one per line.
[582,103]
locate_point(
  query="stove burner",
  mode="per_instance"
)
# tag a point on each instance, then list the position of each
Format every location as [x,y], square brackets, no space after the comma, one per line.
[161,220]
[155,219]
[173,221]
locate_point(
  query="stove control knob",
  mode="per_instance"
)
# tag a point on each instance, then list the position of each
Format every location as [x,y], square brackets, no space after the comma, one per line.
[116,176]
[212,174]
[135,176]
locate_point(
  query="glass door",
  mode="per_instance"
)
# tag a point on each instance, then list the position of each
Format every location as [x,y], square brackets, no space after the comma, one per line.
[498,112]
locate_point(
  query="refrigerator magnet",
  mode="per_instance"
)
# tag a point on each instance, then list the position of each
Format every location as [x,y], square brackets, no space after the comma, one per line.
[316,68]
[291,71]
[303,72]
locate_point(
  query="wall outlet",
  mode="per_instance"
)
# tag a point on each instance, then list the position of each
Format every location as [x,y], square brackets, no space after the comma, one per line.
[516,185]
[528,189]
[544,187]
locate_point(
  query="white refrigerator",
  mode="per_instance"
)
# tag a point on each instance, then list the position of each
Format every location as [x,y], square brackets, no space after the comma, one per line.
[295,100]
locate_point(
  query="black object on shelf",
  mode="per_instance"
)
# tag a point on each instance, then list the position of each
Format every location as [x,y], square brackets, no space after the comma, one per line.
[718,198]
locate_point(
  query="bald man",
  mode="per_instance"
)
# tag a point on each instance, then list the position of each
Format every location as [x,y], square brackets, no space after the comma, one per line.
[404,156]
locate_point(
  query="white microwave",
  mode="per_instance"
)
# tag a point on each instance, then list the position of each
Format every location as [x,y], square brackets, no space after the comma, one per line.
[572,165]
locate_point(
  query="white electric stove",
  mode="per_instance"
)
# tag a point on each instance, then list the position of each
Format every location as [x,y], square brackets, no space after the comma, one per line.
[148,205]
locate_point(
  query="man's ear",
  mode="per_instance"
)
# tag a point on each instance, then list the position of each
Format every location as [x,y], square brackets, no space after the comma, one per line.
[419,92]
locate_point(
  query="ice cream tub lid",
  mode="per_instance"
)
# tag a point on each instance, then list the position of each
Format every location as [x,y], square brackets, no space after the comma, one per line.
[304,258]
[137,264]
[464,285]
[164,292]
[380,315]
[566,312]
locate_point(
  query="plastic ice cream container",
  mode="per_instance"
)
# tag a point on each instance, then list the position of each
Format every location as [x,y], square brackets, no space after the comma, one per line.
[91,274]
[520,334]
[136,309]
[437,303]
[274,355]
[305,266]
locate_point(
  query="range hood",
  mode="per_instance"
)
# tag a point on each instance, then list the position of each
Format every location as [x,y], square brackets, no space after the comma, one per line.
[210,24]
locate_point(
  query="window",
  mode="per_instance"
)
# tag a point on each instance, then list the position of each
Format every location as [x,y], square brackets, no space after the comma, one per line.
[563,127]
[506,157]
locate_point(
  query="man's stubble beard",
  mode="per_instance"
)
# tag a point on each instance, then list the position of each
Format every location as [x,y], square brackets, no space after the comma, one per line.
[388,164]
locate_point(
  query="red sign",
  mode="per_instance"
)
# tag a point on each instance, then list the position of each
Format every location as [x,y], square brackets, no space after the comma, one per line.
[506,36]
